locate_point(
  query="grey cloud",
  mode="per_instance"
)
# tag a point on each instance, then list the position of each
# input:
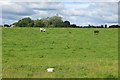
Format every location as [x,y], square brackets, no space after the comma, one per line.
[11,16]
[96,13]
[17,9]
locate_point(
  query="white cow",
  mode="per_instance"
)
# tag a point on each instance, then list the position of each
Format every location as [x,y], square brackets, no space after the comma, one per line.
[50,69]
[11,26]
[44,30]
[41,29]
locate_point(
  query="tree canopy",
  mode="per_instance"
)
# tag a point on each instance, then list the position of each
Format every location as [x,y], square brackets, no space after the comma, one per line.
[54,21]
[25,22]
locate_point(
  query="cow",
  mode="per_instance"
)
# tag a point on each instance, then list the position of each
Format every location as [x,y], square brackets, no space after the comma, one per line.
[11,26]
[6,25]
[42,30]
[96,32]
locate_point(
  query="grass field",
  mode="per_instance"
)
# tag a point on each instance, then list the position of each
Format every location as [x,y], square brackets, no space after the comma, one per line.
[72,52]
[0,52]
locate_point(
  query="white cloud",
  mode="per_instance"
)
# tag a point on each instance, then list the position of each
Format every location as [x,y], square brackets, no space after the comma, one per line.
[46,5]
[95,13]
[81,13]
[16,8]
[39,14]
[74,12]
[60,0]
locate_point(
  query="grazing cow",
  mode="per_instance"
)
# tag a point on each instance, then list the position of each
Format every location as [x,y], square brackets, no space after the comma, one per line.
[41,29]
[6,25]
[44,30]
[11,26]
[96,32]
[50,69]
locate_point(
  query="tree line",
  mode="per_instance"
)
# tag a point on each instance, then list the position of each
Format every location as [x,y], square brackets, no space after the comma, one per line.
[54,21]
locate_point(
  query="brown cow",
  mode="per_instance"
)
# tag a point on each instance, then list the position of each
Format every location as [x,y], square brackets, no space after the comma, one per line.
[96,32]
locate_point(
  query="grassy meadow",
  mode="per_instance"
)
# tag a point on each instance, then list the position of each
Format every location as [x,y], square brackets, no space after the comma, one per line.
[0,52]
[72,52]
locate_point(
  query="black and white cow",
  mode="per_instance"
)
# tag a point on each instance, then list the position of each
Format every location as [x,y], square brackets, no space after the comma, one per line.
[42,30]
[6,25]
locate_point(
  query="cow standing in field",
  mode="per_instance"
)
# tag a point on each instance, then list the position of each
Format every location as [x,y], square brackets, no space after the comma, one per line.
[11,26]
[96,32]
[42,30]
[6,25]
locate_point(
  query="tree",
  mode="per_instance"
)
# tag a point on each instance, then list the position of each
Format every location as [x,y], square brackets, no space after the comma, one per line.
[114,26]
[39,23]
[46,21]
[73,25]
[105,25]
[25,22]
[55,21]
[66,24]
[102,26]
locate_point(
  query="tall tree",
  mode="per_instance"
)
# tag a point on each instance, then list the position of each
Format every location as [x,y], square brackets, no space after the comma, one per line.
[56,21]
[25,22]
[46,21]
[66,24]
[39,23]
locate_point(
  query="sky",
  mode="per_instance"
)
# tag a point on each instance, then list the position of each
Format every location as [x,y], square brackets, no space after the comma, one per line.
[78,12]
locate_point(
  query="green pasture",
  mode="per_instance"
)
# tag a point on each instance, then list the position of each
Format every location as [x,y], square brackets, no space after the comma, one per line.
[72,52]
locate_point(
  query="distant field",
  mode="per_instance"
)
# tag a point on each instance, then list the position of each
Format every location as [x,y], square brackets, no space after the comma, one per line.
[73,53]
[0,52]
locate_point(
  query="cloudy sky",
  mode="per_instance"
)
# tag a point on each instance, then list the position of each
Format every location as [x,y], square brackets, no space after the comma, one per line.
[77,12]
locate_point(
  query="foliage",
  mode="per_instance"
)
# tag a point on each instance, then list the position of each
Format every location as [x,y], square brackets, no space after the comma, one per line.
[39,23]
[114,26]
[25,22]
[66,24]
[54,21]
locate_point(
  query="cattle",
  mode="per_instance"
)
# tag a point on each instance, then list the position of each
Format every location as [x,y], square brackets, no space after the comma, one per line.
[11,26]
[96,32]
[50,69]
[6,25]
[42,30]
